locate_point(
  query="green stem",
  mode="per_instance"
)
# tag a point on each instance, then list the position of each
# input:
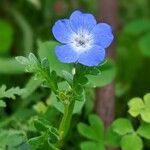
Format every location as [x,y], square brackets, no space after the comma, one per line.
[65,122]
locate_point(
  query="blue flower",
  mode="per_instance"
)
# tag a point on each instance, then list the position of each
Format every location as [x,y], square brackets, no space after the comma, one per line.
[83,40]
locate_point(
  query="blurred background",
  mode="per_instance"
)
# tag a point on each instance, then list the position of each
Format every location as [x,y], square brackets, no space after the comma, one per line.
[26,23]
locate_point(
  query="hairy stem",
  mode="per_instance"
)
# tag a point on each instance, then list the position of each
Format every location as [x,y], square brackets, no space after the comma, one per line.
[65,122]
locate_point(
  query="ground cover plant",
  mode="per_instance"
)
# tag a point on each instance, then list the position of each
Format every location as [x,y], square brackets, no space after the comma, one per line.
[49,72]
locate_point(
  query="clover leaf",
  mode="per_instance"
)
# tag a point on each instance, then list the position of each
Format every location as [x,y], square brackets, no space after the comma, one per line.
[93,132]
[131,142]
[122,126]
[129,137]
[144,130]
[137,106]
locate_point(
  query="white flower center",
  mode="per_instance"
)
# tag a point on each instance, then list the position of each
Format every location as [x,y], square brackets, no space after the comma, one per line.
[81,41]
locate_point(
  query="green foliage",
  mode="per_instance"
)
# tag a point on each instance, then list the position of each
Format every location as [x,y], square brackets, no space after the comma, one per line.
[137,27]
[129,137]
[11,138]
[98,137]
[6,36]
[122,126]
[144,45]
[10,93]
[137,106]
[93,132]
[144,130]
[40,69]
[131,141]
[106,75]
[54,101]
[48,138]
[6,63]
[47,50]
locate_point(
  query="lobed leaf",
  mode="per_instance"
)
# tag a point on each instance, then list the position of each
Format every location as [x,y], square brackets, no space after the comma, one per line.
[144,130]
[122,126]
[131,142]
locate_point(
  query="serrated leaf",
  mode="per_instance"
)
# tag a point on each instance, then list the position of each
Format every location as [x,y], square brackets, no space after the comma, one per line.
[131,142]
[135,106]
[47,49]
[22,60]
[68,76]
[122,126]
[10,93]
[11,138]
[144,130]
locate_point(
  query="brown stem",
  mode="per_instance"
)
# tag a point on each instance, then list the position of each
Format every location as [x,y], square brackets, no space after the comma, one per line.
[105,97]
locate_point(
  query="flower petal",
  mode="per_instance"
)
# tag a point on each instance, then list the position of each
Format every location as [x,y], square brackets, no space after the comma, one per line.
[93,56]
[66,54]
[102,34]
[62,31]
[82,21]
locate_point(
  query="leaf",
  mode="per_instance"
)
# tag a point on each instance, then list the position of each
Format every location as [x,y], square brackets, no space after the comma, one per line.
[144,45]
[31,63]
[47,49]
[106,76]
[2,103]
[87,131]
[53,135]
[131,142]
[145,112]
[6,36]
[144,130]
[122,126]
[112,138]
[36,141]
[14,66]
[137,27]
[40,69]
[67,76]
[11,138]
[93,132]
[97,125]
[41,124]
[10,93]
[89,145]
[59,106]
[135,106]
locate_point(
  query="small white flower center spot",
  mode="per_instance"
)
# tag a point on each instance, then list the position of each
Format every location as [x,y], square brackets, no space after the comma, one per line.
[81,41]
